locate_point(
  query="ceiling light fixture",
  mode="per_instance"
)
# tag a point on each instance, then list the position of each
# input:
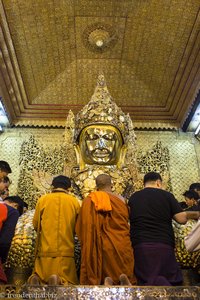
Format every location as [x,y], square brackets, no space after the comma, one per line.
[99,43]
[99,37]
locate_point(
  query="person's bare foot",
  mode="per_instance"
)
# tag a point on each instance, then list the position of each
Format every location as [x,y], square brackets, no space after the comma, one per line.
[54,280]
[124,280]
[108,281]
[34,280]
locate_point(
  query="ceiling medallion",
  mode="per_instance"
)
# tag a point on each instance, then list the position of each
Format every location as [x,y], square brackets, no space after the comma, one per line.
[99,37]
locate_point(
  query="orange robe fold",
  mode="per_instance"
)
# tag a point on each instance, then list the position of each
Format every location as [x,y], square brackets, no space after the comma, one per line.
[105,239]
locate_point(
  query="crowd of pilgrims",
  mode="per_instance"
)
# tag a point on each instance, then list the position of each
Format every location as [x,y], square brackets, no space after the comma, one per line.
[123,242]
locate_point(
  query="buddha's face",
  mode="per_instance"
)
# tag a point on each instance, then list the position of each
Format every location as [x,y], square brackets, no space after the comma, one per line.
[100,144]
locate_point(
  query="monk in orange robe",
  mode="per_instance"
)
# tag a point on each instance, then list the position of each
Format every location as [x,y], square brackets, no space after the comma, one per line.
[103,230]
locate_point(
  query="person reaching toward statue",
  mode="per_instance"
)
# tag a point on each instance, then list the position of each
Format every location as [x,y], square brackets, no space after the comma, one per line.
[192,240]
[191,199]
[196,187]
[103,230]
[54,220]
[151,213]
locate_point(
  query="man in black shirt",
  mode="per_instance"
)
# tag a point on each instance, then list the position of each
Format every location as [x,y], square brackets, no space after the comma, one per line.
[151,212]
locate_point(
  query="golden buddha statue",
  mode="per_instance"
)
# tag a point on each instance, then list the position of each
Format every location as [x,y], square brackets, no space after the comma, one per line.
[104,142]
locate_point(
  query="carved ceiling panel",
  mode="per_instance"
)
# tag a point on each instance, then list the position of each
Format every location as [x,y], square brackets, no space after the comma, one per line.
[53,51]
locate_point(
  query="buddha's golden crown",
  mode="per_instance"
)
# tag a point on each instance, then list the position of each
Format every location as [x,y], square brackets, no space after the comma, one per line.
[101,109]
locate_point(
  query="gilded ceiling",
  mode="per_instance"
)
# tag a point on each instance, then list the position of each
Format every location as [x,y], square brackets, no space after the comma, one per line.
[53,51]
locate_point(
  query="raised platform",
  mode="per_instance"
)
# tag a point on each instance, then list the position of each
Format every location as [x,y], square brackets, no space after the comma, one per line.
[99,292]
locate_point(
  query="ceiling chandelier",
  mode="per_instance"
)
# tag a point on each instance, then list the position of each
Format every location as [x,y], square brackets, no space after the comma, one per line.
[99,37]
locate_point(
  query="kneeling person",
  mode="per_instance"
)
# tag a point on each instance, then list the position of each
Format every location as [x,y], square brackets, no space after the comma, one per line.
[54,220]
[103,230]
[151,212]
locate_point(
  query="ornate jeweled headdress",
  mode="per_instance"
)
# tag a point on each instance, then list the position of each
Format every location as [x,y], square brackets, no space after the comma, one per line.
[101,109]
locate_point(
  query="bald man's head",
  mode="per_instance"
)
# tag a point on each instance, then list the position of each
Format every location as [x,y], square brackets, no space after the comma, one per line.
[103,181]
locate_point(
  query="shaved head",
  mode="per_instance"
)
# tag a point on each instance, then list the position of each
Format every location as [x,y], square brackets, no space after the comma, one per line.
[103,181]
